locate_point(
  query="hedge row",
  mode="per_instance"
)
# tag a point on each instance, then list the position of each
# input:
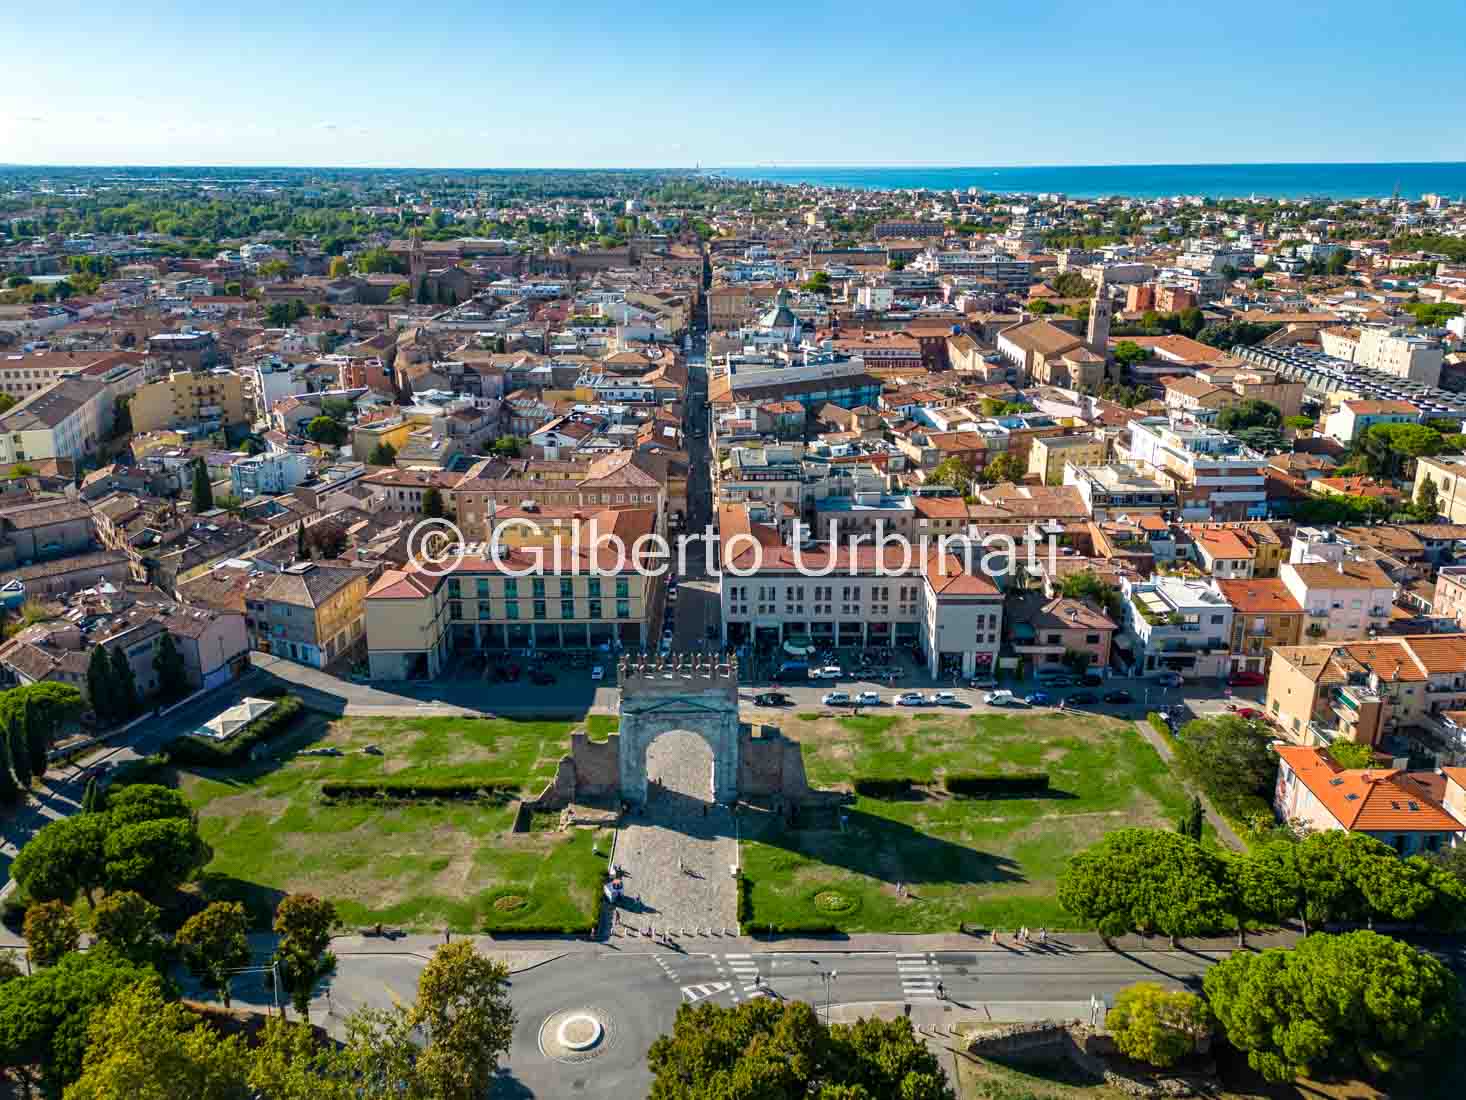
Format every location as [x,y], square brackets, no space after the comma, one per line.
[873,787]
[203,753]
[998,784]
[499,790]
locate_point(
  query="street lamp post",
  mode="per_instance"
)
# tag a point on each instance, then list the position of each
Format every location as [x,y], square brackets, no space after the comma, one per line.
[827,976]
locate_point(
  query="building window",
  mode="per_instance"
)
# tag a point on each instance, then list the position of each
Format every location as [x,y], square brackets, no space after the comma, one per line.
[567,609]
[453,592]
[594,587]
[623,588]
[595,609]
[511,587]
[511,610]
[482,586]
[539,609]
[567,588]
[623,609]
[537,588]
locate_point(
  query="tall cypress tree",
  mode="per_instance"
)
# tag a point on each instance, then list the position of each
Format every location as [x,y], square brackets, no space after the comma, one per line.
[9,788]
[203,489]
[89,797]
[38,734]
[20,759]
[102,686]
[128,703]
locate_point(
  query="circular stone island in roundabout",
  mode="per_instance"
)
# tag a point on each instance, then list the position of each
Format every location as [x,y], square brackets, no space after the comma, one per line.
[575,1035]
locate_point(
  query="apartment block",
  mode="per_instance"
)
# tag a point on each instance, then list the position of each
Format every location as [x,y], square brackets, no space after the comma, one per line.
[187,399]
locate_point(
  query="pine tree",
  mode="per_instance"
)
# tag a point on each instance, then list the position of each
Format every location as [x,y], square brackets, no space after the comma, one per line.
[128,703]
[203,490]
[20,759]
[302,552]
[102,686]
[89,797]
[9,788]
[432,503]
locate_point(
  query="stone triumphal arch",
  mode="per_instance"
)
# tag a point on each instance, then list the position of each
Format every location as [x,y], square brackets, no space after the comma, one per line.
[688,692]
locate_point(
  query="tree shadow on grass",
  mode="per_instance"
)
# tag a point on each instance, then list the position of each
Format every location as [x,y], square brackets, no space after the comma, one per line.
[890,851]
[259,901]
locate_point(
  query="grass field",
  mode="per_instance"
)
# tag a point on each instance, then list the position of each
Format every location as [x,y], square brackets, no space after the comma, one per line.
[425,865]
[990,862]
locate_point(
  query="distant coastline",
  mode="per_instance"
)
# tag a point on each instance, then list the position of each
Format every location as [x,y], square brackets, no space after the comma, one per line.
[1144,181]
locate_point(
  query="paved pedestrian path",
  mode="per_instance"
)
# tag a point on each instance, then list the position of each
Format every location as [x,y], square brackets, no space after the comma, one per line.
[1218,822]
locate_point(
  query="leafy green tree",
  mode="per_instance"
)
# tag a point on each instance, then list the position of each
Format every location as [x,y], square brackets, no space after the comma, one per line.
[323,429]
[10,790]
[9,968]
[288,1063]
[1155,1025]
[432,503]
[424,294]
[955,473]
[1003,467]
[507,446]
[142,1044]
[1427,505]
[1191,321]
[1358,1001]
[1263,885]
[383,454]
[63,858]
[380,1055]
[818,283]
[1231,759]
[101,686]
[400,293]
[1147,880]
[138,802]
[215,944]
[44,1016]
[128,923]
[1298,423]
[125,684]
[779,1050]
[152,857]
[203,489]
[1251,413]
[463,1007]
[50,931]
[303,922]
[1071,284]
[1087,585]
[1350,754]
[1130,354]
[172,676]
[378,261]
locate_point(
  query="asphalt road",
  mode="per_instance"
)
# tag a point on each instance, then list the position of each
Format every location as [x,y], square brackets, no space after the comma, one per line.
[637,992]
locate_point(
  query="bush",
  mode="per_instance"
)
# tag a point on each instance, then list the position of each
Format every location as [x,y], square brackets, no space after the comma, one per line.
[498,790]
[147,769]
[189,749]
[873,787]
[1159,724]
[998,785]
[745,900]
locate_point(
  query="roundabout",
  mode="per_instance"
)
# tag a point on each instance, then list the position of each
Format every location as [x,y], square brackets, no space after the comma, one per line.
[575,1035]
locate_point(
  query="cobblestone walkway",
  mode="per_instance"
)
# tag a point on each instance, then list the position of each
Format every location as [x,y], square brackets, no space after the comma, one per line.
[675,857]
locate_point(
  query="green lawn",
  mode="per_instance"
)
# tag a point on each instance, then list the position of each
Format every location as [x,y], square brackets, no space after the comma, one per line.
[983,861]
[422,865]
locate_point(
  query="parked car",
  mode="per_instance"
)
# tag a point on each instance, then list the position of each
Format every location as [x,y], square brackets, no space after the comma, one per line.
[909,699]
[869,699]
[1077,698]
[1247,679]
[598,673]
[941,699]
[1252,714]
[1053,672]
[984,683]
[1169,679]
[1002,698]
[1037,699]
[1119,696]
[835,698]
[828,672]
[771,699]
[1091,680]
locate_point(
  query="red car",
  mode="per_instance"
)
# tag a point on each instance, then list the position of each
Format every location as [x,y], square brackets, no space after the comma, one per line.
[1250,713]
[1247,679]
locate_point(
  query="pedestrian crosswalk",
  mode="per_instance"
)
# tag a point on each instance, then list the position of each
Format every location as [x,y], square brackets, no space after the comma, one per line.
[745,974]
[920,976]
[694,993]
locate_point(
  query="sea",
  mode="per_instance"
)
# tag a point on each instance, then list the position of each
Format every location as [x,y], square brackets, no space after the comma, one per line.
[1144,181]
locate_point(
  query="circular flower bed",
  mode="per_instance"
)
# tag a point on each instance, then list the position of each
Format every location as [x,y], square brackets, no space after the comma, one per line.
[836,901]
[509,903]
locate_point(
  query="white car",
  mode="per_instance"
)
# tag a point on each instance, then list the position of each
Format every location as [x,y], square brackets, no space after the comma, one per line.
[829,672]
[910,699]
[835,698]
[941,699]
[1003,698]
[598,673]
[869,699]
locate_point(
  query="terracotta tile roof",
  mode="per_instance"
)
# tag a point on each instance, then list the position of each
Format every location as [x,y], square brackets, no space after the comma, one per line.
[1261,596]
[1370,799]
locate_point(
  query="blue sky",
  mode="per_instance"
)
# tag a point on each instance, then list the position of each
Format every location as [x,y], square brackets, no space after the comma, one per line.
[452,83]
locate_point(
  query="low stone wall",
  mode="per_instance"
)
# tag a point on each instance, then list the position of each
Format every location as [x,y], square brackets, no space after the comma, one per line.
[1086,1048]
[1042,1041]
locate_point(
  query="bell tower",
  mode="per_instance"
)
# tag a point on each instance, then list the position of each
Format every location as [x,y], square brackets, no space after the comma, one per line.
[1099,320]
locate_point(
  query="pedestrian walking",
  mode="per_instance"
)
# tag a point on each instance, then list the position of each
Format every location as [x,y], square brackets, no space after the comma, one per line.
[941,992]
[1043,935]
[995,937]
